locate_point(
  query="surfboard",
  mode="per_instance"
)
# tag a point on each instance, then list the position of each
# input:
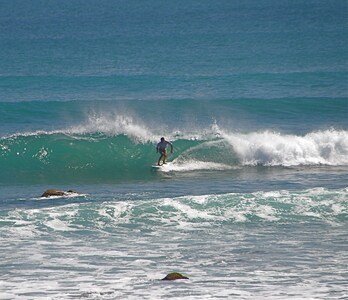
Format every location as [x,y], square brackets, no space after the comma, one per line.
[161,166]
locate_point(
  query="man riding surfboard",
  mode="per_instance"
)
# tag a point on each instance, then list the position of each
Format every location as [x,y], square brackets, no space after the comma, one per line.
[162,149]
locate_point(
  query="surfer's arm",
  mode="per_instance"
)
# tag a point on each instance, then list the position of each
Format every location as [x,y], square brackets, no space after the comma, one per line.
[171,147]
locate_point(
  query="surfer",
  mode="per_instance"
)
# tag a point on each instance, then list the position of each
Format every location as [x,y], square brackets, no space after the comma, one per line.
[162,149]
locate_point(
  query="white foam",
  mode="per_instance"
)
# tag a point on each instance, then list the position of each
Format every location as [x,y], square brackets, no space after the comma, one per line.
[238,216]
[192,213]
[267,212]
[116,212]
[328,147]
[193,165]
[59,225]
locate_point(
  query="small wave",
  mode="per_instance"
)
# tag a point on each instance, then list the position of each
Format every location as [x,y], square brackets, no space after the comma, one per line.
[185,212]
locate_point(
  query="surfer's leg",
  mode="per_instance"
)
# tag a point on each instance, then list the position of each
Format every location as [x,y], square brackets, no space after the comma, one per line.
[159,160]
[165,155]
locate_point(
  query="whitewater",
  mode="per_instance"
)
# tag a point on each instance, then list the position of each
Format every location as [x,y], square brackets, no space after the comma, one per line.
[101,247]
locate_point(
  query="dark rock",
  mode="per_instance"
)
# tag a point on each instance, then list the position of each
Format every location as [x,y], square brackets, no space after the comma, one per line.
[50,193]
[174,276]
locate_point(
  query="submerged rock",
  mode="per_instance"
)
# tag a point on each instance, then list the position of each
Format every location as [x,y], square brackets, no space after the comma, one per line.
[174,276]
[50,193]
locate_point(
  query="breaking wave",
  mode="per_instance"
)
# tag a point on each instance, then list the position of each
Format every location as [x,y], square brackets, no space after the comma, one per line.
[124,148]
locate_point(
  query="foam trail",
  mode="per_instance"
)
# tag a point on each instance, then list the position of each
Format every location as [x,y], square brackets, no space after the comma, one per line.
[193,165]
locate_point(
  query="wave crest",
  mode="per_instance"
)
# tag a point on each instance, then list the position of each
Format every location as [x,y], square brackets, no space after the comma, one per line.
[127,155]
[329,147]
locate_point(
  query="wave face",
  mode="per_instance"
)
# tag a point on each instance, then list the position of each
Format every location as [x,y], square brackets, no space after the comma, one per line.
[115,140]
[94,156]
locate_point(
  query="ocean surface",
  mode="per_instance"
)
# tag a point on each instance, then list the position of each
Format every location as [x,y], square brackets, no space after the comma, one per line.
[254,97]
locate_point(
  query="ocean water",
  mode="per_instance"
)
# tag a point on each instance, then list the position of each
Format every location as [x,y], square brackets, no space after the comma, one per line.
[254,97]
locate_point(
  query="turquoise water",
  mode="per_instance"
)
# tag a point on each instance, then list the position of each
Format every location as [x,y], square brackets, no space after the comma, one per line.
[253,95]
[110,141]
